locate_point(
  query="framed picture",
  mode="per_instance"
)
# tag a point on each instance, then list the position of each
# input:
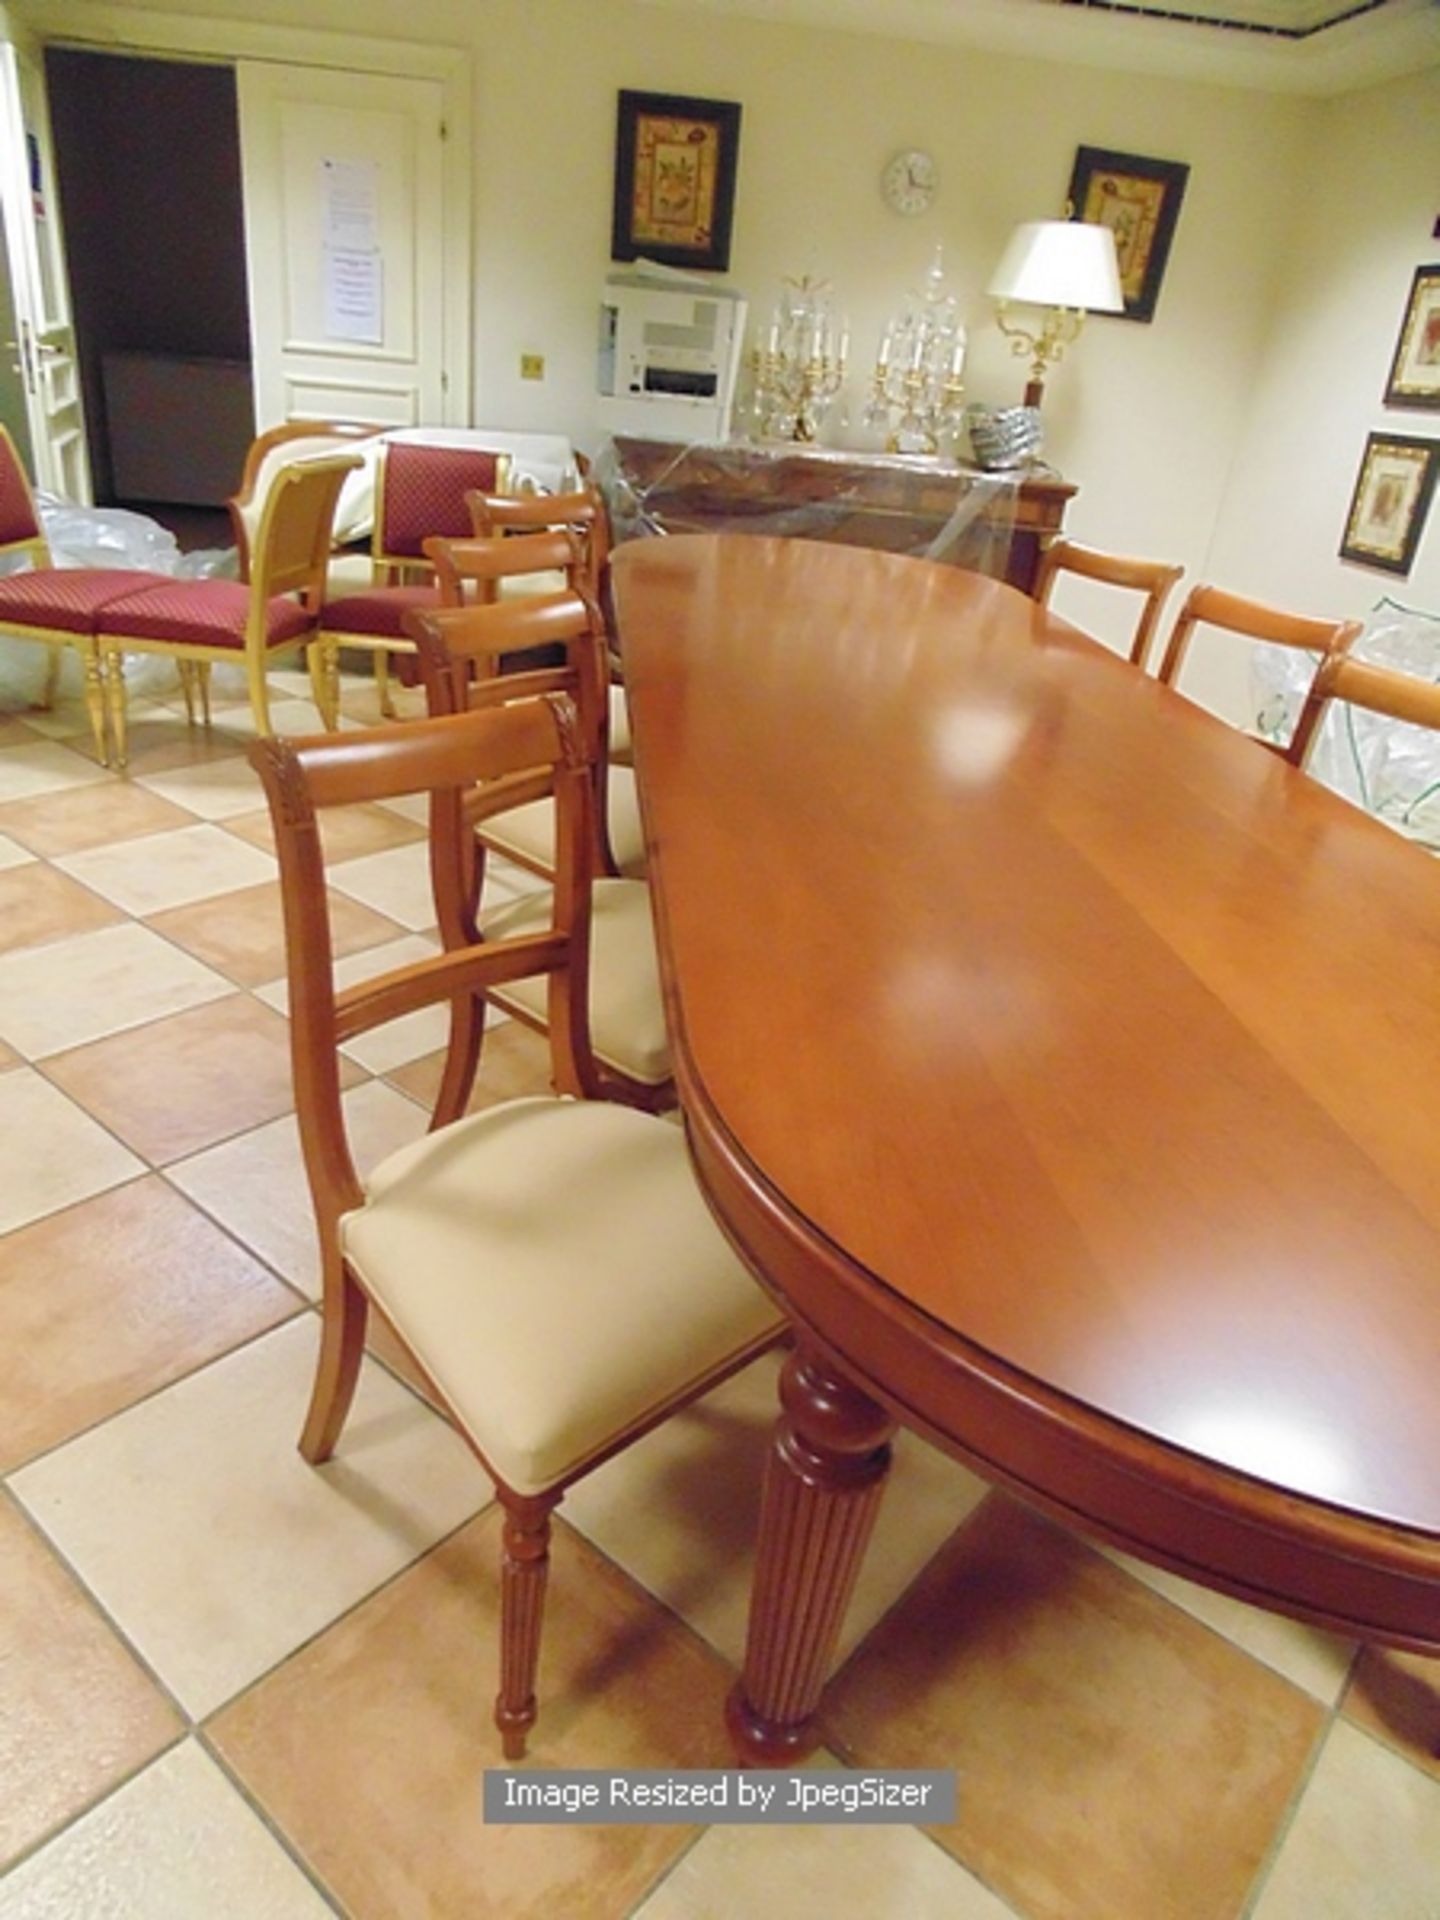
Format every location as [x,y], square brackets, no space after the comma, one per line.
[1392,495]
[1139,200]
[1415,371]
[675,161]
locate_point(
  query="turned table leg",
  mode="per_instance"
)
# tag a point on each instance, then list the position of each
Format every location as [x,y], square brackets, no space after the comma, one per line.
[826,1472]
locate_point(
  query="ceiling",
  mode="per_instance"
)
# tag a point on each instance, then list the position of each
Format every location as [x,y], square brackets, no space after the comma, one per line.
[1280,46]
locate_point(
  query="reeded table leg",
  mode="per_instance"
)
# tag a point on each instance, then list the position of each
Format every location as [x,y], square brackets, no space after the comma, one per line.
[826,1472]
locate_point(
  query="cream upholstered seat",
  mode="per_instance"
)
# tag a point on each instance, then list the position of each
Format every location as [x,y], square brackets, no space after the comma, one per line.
[1153,579]
[625,1051]
[549,1263]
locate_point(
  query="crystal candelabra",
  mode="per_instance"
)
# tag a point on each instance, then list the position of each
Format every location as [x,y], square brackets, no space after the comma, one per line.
[916,391]
[801,367]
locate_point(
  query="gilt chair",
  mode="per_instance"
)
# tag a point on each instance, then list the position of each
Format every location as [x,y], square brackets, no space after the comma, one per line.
[625,1052]
[1252,620]
[277,448]
[420,491]
[479,570]
[548,1262]
[198,623]
[1154,579]
[1376,690]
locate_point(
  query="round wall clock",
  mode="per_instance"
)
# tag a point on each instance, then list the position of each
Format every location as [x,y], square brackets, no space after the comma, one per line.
[908,183]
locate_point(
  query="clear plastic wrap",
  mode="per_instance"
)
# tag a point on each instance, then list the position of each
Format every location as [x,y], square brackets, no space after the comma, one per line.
[901,503]
[1386,766]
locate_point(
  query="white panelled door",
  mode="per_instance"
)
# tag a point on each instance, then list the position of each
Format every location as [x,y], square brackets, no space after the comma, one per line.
[44,344]
[344,184]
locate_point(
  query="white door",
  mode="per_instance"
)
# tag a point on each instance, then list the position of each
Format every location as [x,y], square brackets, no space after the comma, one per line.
[344,184]
[44,344]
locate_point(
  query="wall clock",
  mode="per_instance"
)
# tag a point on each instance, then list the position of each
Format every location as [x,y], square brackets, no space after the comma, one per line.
[908,183]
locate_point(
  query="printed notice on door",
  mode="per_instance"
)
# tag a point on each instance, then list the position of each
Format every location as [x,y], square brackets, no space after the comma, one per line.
[350,243]
[354,304]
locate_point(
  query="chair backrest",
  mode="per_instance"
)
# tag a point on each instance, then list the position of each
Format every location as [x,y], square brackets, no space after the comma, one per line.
[19,521]
[443,759]
[1253,620]
[471,570]
[583,511]
[292,542]
[1399,696]
[272,451]
[1155,579]
[421,491]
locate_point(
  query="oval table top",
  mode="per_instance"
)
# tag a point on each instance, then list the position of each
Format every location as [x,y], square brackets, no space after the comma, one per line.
[1064,1059]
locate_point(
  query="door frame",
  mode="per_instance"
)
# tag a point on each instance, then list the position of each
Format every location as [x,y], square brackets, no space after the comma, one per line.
[97,26]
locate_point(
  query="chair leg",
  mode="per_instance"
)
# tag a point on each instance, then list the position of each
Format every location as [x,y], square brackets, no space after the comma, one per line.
[382,684]
[186,670]
[52,682]
[95,704]
[113,666]
[524,1572]
[259,696]
[323,667]
[342,1348]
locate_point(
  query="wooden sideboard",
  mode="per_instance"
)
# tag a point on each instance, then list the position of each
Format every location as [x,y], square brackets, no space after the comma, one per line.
[993,523]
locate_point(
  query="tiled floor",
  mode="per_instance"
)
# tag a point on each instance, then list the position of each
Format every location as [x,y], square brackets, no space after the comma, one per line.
[232,1685]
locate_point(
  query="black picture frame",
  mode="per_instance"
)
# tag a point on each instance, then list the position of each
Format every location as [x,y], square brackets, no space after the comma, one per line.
[1414,379]
[1392,496]
[694,229]
[1139,200]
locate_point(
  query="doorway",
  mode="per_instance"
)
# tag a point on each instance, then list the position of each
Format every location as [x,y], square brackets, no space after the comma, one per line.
[147,158]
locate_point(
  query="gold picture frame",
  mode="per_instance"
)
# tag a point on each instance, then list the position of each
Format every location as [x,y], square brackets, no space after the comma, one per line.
[1415,368]
[1390,501]
[675,165]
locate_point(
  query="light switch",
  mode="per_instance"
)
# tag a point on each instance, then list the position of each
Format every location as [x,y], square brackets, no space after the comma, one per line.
[532,366]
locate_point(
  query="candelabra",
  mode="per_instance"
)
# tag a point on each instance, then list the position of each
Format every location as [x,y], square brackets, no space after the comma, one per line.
[916,391]
[801,367]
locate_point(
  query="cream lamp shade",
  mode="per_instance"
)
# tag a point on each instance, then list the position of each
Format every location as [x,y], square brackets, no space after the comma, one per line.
[1067,267]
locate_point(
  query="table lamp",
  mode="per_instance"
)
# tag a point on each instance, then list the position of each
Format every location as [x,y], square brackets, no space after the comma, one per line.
[1067,267]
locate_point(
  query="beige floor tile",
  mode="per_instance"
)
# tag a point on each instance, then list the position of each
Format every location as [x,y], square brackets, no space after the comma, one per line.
[55,1154]
[215,1548]
[1115,1756]
[45,767]
[243,934]
[368,1748]
[514,1062]
[215,790]
[396,882]
[255,1184]
[67,720]
[12,854]
[170,869]
[38,905]
[8,1058]
[1319,1662]
[77,1711]
[820,1873]
[345,832]
[680,1508]
[399,1041]
[15,729]
[182,1084]
[1365,1842]
[289,717]
[94,984]
[69,822]
[175,1843]
[1396,1696]
[113,1298]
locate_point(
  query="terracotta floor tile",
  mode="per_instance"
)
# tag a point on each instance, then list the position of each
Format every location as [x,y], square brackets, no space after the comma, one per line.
[77,1711]
[71,822]
[8,1058]
[38,905]
[1115,1757]
[15,731]
[242,934]
[103,1303]
[161,739]
[12,854]
[177,1085]
[368,1747]
[1397,1697]
[1365,1842]
[347,833]
[175,1843]
[213,1545]
[514,1062]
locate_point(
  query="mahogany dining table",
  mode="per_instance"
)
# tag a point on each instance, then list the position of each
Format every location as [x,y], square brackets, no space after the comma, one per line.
[1066,1064]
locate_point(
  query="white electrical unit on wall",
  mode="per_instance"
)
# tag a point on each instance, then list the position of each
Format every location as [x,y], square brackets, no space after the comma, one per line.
[669,355]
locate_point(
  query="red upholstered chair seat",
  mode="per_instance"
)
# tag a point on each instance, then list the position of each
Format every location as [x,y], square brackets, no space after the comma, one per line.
[378,610]
[202,613]
[67,599]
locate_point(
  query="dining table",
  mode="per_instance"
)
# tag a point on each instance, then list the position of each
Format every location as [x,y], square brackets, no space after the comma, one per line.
[1067,1065]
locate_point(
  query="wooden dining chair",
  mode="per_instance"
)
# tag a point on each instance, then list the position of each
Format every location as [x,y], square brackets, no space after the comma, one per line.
[1373,689]
[548,1262]
[204,622]
[420,491]
[1253,620]
[1153,579]
[479,570]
